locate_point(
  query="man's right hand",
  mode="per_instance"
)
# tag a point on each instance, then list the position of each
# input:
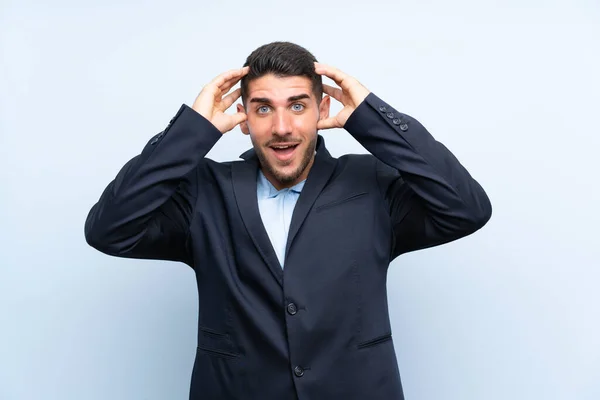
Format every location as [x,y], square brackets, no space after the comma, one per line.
[211,104]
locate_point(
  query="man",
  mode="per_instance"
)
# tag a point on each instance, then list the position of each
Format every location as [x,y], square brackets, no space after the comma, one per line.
[290,246]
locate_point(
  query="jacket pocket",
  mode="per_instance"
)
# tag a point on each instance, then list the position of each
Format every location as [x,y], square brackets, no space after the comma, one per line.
[216,352]
[216,343]
[375,341]
[341,201]
[211,333]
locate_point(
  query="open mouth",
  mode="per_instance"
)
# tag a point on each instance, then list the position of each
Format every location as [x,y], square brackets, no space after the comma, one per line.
[284,151]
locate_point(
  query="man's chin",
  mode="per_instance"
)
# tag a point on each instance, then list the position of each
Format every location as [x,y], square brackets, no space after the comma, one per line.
[287,171]
[286,175]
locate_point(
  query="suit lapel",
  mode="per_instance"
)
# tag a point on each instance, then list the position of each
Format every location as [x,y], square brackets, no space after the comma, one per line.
[244,186]
[318,177]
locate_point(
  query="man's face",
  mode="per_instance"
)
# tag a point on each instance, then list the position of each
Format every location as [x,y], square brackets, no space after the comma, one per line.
[282,123]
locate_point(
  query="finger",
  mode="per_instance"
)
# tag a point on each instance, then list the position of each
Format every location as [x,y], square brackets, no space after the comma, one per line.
[239,117]
[328,123]
[231,75]
[230,99]
[229,84]
[234,120]
[336,93]
[331,72]
[219,92]
[225,122]
[234,74]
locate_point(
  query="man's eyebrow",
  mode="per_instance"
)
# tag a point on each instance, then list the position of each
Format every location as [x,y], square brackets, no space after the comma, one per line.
[298,97]
[260,100]
[290,99]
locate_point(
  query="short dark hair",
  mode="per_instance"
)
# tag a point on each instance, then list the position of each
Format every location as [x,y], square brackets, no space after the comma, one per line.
[282,59]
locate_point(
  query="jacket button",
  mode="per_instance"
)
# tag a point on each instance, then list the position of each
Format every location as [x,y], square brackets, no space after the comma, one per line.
[396,121]
[292,309]
[390,115]
[154,141]
[404,127]
[298,371]
[382,109]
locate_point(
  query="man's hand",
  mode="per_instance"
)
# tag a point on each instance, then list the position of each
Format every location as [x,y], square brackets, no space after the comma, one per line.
[211,104]
[351,94]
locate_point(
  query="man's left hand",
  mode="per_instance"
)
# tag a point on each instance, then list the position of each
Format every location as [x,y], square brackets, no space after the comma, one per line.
[351,94]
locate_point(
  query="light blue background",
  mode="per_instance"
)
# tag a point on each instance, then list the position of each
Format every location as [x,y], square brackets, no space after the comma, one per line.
[511,87]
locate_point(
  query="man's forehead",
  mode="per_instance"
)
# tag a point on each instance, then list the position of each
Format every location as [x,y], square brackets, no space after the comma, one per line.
[274,87]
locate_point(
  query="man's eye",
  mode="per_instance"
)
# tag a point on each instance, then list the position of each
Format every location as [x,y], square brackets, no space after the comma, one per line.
[263,109]
[298,107]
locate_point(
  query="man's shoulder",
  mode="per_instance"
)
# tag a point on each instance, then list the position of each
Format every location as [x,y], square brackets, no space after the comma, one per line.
[221,165]
[358,157]
[209,170]
[355,168]
[357,160]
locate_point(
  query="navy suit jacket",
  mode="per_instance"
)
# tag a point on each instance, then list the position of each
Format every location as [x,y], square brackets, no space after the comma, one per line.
[320,328]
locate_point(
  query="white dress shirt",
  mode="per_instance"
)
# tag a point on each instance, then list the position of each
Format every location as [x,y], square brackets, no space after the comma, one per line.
[276,208]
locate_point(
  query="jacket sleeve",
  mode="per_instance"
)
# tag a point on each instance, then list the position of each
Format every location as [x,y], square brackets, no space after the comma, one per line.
[432,199]
[145,212]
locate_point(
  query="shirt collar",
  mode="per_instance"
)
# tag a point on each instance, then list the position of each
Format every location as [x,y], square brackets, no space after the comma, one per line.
[266,189]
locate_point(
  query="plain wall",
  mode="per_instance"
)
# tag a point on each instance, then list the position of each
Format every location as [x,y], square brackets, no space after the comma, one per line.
[512,88]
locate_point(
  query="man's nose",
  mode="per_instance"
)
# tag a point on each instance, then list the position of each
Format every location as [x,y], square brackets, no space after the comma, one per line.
[281,123]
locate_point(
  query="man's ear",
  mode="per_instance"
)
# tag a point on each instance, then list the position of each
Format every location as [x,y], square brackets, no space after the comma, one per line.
[324,107]
[243,125]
